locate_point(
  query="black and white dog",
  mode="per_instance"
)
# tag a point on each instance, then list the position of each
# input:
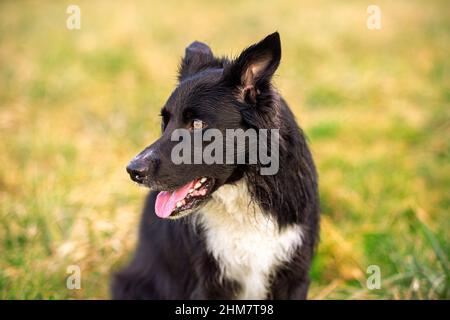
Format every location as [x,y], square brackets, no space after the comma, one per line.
[243,235]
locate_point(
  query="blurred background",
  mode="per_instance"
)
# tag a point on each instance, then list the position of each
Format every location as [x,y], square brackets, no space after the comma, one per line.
[77,105]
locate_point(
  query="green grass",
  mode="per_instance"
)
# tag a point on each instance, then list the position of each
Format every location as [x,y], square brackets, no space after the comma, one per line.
[75,106]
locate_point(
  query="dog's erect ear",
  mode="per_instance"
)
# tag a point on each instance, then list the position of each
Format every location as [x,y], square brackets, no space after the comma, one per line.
[255,66]
[197,56]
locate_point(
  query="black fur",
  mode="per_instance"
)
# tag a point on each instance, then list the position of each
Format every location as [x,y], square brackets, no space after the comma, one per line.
[171,260]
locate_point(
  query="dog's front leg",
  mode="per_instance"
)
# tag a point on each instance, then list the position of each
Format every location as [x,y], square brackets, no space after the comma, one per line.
[211,284]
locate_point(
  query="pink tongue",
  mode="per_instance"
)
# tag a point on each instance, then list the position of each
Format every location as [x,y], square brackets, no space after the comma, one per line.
[166,201]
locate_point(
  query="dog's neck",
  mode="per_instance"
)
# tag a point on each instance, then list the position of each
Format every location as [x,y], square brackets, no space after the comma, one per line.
[237,230]
[232,204]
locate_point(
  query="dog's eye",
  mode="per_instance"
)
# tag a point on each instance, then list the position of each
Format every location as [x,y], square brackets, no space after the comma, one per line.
[198,124]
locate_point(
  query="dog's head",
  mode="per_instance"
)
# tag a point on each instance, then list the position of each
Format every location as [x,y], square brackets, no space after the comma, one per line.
[213,93]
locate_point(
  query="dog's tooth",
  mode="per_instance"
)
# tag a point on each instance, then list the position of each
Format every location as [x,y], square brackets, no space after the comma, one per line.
[197,185]
[190,190]
[203,180]
[179,204]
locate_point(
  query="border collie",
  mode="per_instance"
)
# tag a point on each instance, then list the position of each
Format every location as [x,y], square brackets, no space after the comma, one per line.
[225,231]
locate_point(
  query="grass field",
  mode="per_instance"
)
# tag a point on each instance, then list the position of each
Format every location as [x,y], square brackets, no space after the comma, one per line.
[76,105]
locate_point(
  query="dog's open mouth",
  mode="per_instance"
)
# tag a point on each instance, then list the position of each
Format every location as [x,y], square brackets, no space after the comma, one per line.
[184,200]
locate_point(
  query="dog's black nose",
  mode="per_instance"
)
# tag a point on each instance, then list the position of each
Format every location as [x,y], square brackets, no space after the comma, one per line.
[137,170]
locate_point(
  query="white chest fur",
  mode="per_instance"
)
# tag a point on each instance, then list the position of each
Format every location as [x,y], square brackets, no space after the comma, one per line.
[247,244]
